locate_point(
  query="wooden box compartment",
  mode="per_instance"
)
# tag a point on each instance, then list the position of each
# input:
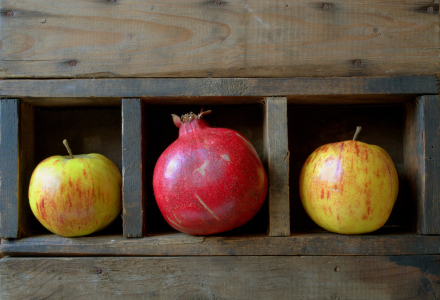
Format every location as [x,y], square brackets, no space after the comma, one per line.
[88,130]
[284,130]
[408,130]
[313,126]
[42,131]
[245,118]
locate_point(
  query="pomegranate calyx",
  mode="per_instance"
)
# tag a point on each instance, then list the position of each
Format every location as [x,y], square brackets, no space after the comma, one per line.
[202,113]
[188,117]
[192,116]
[176,120]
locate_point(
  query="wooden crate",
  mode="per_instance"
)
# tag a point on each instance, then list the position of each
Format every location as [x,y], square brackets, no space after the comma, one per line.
[284,130]
[290,75]
[400,114]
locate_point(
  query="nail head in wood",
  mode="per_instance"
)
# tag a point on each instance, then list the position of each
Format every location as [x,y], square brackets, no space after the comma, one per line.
[358,62]
[326,6]
[73,63]
[10,14]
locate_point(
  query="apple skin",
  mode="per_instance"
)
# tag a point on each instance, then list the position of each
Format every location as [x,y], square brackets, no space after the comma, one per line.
[76,197]
[349,187]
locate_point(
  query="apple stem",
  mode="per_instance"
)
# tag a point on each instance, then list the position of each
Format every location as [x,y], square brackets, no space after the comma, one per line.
[68,148]
[358,129]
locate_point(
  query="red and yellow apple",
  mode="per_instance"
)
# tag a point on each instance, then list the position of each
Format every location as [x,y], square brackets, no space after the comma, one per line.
[75,196]
[349,187]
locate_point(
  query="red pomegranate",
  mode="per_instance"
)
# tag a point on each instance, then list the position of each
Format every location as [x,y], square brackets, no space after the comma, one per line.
[209,180]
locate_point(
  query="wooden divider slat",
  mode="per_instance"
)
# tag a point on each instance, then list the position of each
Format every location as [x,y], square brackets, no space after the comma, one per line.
[422,161]
[132,168]
[277,148]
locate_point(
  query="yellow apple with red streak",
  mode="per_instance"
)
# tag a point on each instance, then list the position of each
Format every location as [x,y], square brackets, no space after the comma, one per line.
[75,195]
[349,187]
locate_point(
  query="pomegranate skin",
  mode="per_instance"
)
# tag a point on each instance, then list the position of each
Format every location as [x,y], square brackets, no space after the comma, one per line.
[209,180]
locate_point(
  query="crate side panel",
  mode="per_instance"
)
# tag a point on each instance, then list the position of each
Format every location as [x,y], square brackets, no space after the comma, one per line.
[431,217]
[28,223]
[206,39]
[9,135]
[422,161]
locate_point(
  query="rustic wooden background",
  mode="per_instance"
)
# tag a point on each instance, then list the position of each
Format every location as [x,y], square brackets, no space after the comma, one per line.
[90,54]
[199,38]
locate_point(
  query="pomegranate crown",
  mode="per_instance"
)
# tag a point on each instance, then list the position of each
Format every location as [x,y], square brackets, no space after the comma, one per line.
[186,118]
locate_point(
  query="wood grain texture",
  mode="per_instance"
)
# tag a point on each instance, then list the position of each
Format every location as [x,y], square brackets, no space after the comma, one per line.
[376,277]
[189,38]
[278,165]
[9,153]
[431,205]
[383,242]
[422,161]
[314,90]
[132,168]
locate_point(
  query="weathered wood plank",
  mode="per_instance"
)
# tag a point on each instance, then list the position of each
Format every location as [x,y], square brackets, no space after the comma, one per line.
[177,244]
[387,277]
[431,206]
[422,161]
[26,161]
[9,153]
[276,139]
[104,92]
[133,214]
[17,160]
[242,38]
